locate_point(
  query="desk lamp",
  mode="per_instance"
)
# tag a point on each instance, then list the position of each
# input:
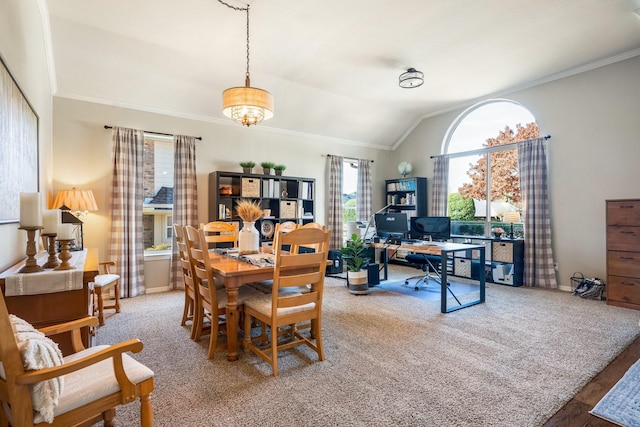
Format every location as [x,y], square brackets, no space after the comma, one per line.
[511,217]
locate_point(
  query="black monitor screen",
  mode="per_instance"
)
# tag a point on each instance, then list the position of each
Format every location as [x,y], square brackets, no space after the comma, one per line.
[391,224]
[438,227]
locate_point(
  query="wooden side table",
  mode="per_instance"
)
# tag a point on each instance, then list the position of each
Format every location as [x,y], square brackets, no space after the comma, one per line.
[45,309]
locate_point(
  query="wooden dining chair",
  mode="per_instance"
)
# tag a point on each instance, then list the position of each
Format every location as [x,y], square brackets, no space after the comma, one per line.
[284,307]
[190,291]
[39,387]
[212,302]
[103,283]
[220,232]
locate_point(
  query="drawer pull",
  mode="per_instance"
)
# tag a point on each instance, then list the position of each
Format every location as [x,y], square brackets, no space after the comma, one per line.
[627,258]
[626,206]
[627,232]
[627,283]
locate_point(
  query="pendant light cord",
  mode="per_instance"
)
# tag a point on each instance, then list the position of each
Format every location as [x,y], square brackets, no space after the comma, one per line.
[242,9]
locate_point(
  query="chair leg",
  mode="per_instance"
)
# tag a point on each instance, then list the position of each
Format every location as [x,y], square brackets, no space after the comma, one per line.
[274,350]
[146,411]
[117,295]
[98,292]
[187,308]
[108,417]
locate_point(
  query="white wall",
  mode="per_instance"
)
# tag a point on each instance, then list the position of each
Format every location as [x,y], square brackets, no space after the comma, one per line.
[22,49]
[594,122]
[82,154]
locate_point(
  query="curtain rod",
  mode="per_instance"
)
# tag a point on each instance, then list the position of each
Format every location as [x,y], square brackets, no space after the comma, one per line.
[346,158]
[488,149]
[156,133]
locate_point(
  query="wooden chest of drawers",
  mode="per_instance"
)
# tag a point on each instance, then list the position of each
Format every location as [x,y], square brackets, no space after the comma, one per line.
[623,253]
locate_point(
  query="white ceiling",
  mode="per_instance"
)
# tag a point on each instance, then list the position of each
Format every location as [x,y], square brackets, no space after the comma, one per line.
[332,65]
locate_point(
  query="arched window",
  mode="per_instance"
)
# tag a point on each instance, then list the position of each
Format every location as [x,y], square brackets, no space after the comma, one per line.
[483,166]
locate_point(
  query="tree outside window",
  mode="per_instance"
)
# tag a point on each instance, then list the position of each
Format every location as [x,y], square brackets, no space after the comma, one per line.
[487,163]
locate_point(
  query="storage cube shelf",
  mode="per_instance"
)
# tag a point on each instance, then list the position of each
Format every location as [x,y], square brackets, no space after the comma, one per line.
[408,195]
[287,198]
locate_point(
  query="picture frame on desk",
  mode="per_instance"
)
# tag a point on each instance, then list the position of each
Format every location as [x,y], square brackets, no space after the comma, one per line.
[19,161]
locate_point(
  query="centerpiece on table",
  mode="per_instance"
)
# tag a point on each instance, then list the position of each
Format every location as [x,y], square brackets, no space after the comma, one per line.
[249,237]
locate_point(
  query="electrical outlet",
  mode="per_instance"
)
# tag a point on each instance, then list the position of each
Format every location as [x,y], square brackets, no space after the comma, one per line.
[555,266]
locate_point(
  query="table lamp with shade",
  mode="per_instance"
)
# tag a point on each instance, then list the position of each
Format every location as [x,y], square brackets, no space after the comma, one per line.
[511,217]
[78,201]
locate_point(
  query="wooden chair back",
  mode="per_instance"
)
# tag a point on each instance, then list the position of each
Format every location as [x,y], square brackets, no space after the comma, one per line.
[207,295]
[220,232]
[290,307]
[190,290]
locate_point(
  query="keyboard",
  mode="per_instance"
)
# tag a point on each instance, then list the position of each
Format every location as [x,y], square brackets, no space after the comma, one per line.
[411,241]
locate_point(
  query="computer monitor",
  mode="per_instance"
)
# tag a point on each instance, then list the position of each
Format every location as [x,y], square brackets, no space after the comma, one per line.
[438,227]
[391,225]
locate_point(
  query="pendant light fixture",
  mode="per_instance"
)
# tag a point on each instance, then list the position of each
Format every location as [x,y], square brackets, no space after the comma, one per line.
[412,78]
[246,105]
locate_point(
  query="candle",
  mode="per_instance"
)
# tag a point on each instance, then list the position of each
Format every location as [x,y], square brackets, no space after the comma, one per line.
[65,232]
[30,210]
[51,221]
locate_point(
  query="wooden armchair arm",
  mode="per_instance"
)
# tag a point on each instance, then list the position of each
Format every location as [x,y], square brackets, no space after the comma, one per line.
[73,327]
[69,326]
[114,352]
[106,265]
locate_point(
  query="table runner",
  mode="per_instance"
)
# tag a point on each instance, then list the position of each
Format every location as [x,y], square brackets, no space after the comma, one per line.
[259,259]
[47,281]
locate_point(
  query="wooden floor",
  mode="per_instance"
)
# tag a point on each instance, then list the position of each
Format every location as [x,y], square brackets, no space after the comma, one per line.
[576,412]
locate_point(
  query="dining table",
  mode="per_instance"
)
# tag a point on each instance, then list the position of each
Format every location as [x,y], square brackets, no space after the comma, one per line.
[234,273]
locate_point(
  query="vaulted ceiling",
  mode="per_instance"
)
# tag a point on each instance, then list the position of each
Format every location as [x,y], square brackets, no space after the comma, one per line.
[332,65]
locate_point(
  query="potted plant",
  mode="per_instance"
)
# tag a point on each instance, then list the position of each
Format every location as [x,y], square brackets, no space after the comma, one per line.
[355,257]
[279,169]
[247,166]
[266,167]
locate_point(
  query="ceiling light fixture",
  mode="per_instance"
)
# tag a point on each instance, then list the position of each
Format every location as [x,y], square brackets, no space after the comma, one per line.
[412,78]
[246,105]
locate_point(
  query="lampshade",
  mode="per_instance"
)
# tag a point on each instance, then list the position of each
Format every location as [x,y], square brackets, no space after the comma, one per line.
[76,200]
[247,105]
[512,217]
[412,78]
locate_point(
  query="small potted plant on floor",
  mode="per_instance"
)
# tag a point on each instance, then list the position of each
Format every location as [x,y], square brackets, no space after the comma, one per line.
[279,169]
[355,257]
[247,167]
[266,167]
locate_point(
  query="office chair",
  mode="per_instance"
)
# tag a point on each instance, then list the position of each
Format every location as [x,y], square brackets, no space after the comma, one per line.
[428,265]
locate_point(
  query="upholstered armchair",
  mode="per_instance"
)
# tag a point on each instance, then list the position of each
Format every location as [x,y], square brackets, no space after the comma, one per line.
[40,387]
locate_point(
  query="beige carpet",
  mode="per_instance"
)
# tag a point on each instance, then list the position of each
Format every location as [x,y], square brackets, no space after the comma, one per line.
[392,360]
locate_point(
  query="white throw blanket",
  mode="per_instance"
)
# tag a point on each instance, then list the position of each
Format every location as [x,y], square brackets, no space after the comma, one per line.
[39,352]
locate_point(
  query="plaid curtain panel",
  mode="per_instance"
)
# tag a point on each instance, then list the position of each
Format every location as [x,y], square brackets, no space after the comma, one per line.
[440,185]
[185,197]
[538,256]
[363,189]
[334,216]
[126,246]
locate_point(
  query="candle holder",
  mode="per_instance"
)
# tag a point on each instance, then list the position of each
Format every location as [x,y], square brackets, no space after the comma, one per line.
[50,244]
[65,255]
[31,266]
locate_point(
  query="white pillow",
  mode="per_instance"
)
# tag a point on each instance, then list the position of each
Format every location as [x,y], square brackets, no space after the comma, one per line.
[39,352]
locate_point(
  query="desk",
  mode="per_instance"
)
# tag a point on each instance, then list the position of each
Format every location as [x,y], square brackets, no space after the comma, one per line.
[444,250]
[45,309]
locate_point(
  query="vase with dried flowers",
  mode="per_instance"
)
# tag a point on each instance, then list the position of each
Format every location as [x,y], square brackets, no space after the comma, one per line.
[249,237]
